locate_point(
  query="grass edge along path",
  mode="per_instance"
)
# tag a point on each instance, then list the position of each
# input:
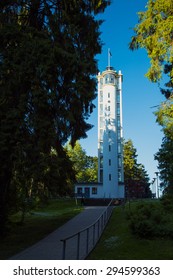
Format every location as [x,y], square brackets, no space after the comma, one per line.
[38,224]
[118,243]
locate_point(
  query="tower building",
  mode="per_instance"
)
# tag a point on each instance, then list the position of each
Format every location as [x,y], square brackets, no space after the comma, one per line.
[110,154]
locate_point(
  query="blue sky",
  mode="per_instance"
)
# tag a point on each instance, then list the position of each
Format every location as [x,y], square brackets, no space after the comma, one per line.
[139,94]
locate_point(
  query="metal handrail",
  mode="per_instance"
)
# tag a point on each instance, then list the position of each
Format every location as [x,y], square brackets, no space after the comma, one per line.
[104,222]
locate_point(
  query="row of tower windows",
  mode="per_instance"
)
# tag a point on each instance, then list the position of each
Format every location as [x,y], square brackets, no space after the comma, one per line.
[108,108]
[109,95]
[110,176]
[109,134]
[110,162]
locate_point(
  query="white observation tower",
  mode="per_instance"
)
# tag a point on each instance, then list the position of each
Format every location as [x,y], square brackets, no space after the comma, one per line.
[110,134]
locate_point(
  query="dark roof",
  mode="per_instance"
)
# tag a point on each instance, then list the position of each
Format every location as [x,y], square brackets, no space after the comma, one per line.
[89,183]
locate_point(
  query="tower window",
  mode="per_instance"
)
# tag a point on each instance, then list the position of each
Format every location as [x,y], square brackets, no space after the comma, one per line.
[101,122]
[118,97]
[109,79]
[101,176]
[118,108]
[101,96]
[101,134]
[108,94]
[109,148]
[119,176]
[119,134]
[101,109]
[118,121]
[101,147]
[119,161]
[79,191]
[110,177]
[101,161]
[94,190]
[109,108]
[109,162]
[119,148]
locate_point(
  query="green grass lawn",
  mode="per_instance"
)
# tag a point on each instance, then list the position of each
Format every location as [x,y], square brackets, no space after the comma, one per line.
[118,243]
[38,223]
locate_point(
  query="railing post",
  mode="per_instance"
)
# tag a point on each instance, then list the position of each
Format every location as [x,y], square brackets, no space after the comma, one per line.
[78,245]
[98,228]
[64,248]
[102,222]
[93,234]
[87,241]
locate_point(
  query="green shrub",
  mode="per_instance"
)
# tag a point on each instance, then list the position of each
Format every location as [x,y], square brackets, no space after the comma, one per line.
[142,227]
[148,220]
[167,202]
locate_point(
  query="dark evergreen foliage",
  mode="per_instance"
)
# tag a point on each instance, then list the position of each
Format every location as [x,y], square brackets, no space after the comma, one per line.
[47,87]
[165,164]
[136,178]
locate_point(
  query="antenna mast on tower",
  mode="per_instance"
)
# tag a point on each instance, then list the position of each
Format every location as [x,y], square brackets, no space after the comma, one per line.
[109,58]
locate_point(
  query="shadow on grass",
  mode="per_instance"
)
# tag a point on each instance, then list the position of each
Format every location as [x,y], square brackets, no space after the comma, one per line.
[38,224]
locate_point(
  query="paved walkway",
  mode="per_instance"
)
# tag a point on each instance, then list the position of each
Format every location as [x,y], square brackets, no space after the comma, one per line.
[50,248]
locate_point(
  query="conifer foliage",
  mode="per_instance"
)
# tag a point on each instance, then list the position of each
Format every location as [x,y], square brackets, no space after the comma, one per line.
[47,86]
[136,178]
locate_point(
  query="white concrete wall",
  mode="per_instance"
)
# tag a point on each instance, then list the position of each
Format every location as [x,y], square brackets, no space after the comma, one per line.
[90,186]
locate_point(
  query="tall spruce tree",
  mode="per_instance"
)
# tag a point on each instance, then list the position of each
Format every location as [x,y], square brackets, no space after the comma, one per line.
[47,84]
[165,164]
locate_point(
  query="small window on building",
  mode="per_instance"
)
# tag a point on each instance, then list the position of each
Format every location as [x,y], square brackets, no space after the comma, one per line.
[108,94]
[109,148]
[119,176]
[110,177]
[101,134]
[118,121]
[101,109]
[101,147]
[119,148]
[101,162]
[118,109]
[79,191]
[119,161]
[119,134]
[109,162]
[118,97]
[94,190]
[101,122]
[101,176]
[109,108]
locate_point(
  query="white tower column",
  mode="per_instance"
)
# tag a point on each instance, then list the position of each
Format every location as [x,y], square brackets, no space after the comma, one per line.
[110,157]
